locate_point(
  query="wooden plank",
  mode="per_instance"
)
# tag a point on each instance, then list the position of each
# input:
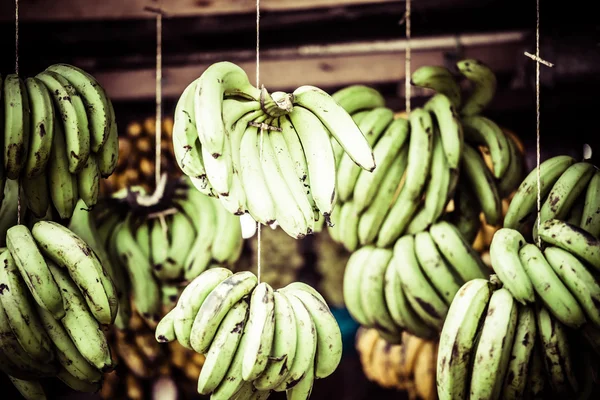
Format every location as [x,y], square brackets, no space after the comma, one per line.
[288,69]
[65,10]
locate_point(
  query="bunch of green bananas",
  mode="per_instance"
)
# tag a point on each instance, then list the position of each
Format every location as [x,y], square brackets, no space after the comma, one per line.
[269,156]
[255,339]
[60,138]
[410,287]
[163,250]
[419,160]
[569,190]
[492,347]
[55,298]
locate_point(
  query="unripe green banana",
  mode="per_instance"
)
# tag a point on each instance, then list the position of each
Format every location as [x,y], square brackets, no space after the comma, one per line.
[450,127]
[519,366]
[590,217]
[63,185]
[88,181]
[108,156]
[16,125]
[484,86]
[42,128]
[439,79]
[37,196]
[485,132]
[573,239]
[355,98]
[29,389]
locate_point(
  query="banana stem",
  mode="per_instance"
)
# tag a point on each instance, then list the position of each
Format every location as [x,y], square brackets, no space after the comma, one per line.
[277,106]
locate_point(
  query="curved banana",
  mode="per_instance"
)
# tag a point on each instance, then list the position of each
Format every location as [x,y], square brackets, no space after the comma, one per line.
[439,79]
[484,86]
[41,129]
[590,217]
[338,122]
[504,253]
[372,290]
[17,125]
[219,80]
[29,389]
[348,225]
[88,181]
[63,184]
[514,173]
[483,131]
[450,127]
[352,286]
[37,196]
[165,329]
[519,365]
[549,287]
[108,155]
[465,216]
[573,239]
[355,98]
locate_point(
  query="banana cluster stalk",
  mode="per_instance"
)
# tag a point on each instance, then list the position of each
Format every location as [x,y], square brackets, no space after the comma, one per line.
[56,297]
[60,138]
[493,347]
[569,190]
[136,165]
[421,157]
[160,252]
[410,287]
[409,366]
[267,155]
[256,340]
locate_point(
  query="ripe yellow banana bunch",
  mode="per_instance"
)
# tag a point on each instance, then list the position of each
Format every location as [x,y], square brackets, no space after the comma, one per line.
[262,154]
[423,160]
[156,252]
[256,340]
[56,297]
[409,366]
[60,138]
[136,166]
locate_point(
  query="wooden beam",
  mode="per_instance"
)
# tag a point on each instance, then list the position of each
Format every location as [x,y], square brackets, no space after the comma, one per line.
[69,10]
[324,66]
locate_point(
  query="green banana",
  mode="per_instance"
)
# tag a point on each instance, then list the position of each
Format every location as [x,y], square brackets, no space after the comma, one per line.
[41,129]
[29,389]
[16,125]
[108,156]
[353,281]
[88,181]
[348,225]
[513,176]
[63,185]
[484,86]
[356,98]
[37,196]
[465,216]
[77,384]
[590,218]
[519,365]
[450,127]
[573,239]
[439,79]
[483,131]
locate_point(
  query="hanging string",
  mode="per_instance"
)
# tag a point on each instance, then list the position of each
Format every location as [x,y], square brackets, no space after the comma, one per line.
[258,224]
[17,72]
[158,129]
[538,60]
[407,59]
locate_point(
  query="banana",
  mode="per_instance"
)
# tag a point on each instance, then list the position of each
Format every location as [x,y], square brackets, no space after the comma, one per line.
[218,170]
[385,152]
[439,190]
[228,236]
[94,98]
[77,384]
[303,389]
[144,288]
[16,125]
[223,348]
[319,157]
[348,225]
[142,238]
[353,281]
[338,122]
[66,352]
[63,185]
[297,186]
[549,287]
[216,305]
[192,298]
[372,218]
[484,86]
[494,346]
[483,184]
[464,317]
[73,117]
[41,128]
[29,389]
[283,350]
[372,292]
[306,349]
[36,194]
[108,155]
[259,202]
[483,131]
[34,270]
[182,238]
[557,353]
[450,127]
[504,253]
[457,251]
[519,365]
[289,214]
[80,324]
[435,267]
[117,270]
[261,328]
[21,313]
[590,218]
[573,239]
[419,291]
[219,80]
[399,307]
[536,381]
[373,125]
[580,282]
[159,246]
[419,162]
[465,216]
[165,330]
[356,98]
[306,288]
[88,181]
[69,251]
[439,79]
[9,206]
[523,203]
[513,176]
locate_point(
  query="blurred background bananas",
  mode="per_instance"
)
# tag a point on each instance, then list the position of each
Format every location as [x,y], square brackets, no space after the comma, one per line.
[60,138]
